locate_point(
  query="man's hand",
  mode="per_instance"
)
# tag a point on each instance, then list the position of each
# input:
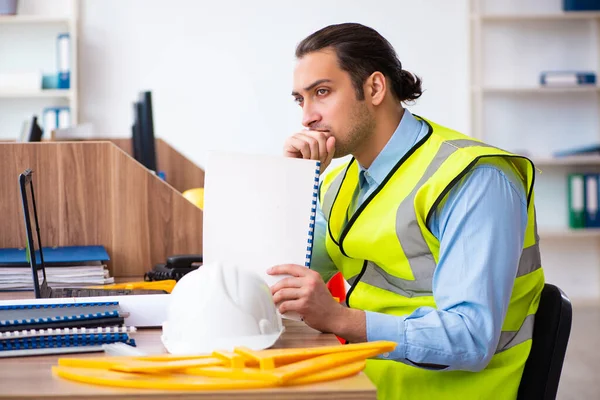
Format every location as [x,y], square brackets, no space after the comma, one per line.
[305,293]
[311,145]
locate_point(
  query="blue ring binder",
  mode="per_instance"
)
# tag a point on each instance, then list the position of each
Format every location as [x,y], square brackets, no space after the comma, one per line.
[36,343]
[31,342]
[58,305]
[17,322]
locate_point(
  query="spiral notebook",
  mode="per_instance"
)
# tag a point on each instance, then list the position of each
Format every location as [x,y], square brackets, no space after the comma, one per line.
[259,211]
[60,341]
[91,314]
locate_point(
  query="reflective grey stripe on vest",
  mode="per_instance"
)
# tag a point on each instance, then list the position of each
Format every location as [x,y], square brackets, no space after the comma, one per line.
[411,239]
[330,194]
[510,339]
[530,260]
[374,275]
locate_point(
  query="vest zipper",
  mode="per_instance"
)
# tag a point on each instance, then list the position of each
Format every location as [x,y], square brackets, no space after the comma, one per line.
[379,188]
[333,203]
[362,272]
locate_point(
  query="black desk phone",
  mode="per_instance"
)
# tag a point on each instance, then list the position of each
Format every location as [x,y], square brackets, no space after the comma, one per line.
[175,267]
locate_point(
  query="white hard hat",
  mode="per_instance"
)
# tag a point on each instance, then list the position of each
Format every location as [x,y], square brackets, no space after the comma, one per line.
[220,307]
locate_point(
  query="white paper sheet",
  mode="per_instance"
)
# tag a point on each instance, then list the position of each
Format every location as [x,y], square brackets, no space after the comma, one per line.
[257,210]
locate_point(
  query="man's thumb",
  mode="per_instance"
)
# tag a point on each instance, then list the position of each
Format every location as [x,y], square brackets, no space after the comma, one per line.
[330,145]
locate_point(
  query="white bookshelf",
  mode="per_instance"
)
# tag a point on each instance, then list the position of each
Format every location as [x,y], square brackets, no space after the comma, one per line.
[536,89]
[561,234]
[585,161]
[549,16]
[33,19]
[28,44]
[38,94]
[511,43]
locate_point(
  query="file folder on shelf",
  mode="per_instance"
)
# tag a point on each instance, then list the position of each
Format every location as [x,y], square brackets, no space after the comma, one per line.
[63,56]
[592,216]
[576,200]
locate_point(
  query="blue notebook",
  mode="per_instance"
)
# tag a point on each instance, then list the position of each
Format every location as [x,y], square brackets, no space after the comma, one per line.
[55,255]
[19,317]
[60,341]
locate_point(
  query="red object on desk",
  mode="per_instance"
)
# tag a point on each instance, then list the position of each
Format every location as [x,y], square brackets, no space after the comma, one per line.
[337,288]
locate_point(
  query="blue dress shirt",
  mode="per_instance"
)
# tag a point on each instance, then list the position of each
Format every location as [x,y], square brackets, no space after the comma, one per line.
[481,227]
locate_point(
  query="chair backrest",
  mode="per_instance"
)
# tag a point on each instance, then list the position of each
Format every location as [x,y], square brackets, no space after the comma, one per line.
[549,345]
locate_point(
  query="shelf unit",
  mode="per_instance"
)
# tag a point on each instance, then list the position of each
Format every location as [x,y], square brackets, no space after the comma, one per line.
[28,43]
[33,19]
[569,233]
[47,93]
[511,43]
[546,16]
[585,161]
[536,89]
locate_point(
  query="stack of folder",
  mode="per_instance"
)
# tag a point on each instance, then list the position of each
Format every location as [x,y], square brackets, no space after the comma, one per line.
[72,266]
[56,328]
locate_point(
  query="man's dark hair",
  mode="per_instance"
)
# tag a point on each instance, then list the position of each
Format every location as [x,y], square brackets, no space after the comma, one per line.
[361,51]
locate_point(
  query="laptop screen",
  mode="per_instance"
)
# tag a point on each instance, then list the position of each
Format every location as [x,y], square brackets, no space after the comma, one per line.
[32,227]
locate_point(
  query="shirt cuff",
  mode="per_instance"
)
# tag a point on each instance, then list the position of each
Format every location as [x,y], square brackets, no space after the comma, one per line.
[387,327]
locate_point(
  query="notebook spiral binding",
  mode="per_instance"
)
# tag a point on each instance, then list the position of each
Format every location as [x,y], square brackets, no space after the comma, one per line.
[45,342]
[42,320]
[313,214]
[66,331]
[58,305]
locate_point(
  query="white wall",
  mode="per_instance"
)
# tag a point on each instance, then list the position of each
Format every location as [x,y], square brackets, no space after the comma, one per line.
[221,71]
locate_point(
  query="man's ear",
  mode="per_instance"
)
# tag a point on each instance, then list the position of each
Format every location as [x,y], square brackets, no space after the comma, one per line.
[375,88]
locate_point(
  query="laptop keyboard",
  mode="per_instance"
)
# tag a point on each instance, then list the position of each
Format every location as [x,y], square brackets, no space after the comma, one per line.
[81,292]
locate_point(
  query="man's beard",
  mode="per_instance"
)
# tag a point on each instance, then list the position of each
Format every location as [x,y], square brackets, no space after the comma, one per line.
[362,127]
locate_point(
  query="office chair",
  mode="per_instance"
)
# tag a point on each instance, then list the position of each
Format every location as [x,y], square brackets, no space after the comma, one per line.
[550,337]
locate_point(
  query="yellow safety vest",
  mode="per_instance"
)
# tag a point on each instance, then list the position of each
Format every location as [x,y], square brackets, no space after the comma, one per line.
[388,255]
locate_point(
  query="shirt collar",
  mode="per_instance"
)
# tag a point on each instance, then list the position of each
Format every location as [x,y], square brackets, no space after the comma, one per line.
[408,132]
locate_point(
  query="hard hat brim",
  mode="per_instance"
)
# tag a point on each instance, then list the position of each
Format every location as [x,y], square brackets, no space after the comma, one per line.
[257,342]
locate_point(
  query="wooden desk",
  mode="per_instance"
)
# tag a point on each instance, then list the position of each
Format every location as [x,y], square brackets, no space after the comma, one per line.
[31,377]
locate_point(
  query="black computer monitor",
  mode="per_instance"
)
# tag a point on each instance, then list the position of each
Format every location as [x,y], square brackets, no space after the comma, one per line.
[35,132]
[136,133]
[146,126]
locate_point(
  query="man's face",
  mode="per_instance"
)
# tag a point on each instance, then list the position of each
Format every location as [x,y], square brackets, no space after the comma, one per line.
[329,103]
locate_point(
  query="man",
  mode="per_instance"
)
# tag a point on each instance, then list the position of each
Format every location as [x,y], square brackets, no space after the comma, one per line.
[434,231]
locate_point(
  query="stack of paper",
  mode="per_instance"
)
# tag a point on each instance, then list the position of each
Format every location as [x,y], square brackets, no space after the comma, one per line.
[72,266]
[19,278]
[259,211]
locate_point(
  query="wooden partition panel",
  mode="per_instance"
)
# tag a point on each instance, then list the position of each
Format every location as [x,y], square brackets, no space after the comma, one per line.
[94,193]
[181,173]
